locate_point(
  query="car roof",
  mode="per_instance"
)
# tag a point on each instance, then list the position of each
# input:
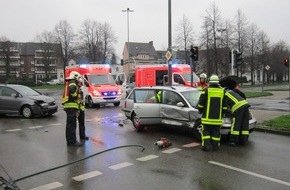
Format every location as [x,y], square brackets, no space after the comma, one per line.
[175,88]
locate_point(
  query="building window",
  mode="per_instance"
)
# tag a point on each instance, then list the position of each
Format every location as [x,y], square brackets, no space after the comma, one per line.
[117,69]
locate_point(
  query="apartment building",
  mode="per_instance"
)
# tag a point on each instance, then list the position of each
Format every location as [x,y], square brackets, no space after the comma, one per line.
[35,61]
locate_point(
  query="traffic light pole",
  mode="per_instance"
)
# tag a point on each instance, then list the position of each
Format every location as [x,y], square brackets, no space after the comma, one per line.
[289,81]
[232,62]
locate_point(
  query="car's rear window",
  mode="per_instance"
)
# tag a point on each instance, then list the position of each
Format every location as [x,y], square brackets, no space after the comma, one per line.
[24,90]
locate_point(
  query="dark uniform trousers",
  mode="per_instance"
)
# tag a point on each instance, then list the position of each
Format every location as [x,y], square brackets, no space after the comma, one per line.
[71,125]
[240,125]
[211,136]
[81,120]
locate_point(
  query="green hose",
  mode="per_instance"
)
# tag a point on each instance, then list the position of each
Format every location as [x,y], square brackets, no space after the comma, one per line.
[117,147]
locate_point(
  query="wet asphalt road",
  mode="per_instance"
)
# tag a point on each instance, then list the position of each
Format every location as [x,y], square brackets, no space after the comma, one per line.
[29,146]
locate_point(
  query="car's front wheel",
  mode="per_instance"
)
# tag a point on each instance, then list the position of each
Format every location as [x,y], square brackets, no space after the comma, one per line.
[136,122]
[90,102]
[197,130]
[26,112]
[117,104]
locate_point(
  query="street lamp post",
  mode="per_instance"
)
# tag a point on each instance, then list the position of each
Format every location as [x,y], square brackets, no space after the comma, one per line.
[128,10]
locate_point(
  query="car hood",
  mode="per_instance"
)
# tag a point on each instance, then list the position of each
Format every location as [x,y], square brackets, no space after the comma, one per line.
[41,97]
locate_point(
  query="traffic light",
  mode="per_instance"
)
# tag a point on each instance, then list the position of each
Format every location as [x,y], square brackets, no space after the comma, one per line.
[286,62]
[194,53]
[238,59]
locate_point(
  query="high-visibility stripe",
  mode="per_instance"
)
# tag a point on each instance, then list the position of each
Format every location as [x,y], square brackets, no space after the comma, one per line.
[245,133]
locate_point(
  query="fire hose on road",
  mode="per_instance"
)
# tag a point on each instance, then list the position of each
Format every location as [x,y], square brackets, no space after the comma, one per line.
[11,184]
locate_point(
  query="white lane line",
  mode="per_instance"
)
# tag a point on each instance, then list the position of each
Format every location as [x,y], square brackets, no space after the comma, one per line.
[53,185]
[87,176]
[55,124]
[13,130]
[35,127]
[172,150]
[121,165]
[194,144]
[250,173]
[146,158]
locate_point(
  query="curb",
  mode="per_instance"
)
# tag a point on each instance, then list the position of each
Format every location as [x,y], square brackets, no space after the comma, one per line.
[277,132]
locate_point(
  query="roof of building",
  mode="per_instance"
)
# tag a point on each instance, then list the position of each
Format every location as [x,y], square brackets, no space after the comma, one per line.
[137,48]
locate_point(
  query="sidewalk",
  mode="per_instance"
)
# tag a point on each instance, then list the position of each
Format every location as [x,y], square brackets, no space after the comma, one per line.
[262,115]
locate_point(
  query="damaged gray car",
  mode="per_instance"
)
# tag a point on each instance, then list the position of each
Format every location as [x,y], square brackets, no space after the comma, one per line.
[170,105]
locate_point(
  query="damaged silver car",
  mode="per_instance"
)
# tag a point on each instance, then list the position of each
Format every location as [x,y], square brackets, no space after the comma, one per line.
[175,105]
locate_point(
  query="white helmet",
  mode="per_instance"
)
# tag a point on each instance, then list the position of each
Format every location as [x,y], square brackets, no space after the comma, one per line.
[214,79]
[74,75]
[203,75]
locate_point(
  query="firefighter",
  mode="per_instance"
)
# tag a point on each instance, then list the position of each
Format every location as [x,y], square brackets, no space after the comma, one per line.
[202,82]
[71,107]
[152,99]
[81,115]
[239,108]
[211,106]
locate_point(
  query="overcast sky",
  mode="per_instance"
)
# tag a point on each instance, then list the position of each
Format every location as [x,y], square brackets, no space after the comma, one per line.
[22,20]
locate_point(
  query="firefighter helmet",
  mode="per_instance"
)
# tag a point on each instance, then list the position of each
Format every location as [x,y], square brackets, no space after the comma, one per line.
[214,79]
[203,75]
[74,75]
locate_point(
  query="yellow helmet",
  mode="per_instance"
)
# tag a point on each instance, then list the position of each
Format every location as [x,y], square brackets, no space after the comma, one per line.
[214,79]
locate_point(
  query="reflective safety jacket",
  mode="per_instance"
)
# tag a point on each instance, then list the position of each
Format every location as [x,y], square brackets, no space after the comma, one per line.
[70,95]
[211,105]
[80,100]
[234,100]
[201,85]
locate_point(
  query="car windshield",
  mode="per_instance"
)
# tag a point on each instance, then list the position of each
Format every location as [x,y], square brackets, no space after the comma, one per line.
[192,96]
[26,91]
[101,79]
[187,77]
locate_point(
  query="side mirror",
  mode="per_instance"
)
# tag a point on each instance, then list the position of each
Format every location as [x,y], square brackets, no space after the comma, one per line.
[180,104]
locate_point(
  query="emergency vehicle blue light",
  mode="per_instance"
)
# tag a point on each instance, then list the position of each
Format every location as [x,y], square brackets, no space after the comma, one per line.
[105,93]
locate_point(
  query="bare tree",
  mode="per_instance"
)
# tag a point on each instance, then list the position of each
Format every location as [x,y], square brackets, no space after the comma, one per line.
[108,40]
[252,50]
[91,39]
[212,22]
[5,53]
[241,25]
[48,51]
[184,36]
[263,58]
[64,35]
[280,51]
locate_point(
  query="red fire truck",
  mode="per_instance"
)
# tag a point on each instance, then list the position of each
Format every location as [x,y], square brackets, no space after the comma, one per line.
[155,75]
[99,85]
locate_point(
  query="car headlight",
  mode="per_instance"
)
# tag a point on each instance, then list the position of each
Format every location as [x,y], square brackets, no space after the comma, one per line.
[44,105]
[96,93]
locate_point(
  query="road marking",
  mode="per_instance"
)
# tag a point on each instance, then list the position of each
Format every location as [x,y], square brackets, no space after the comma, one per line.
[53,185]
[146,158]
[172,150]
[250,173]
[87,176]
[35,127]
[55,124]
[121,165]
[13,130]
[194,144]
